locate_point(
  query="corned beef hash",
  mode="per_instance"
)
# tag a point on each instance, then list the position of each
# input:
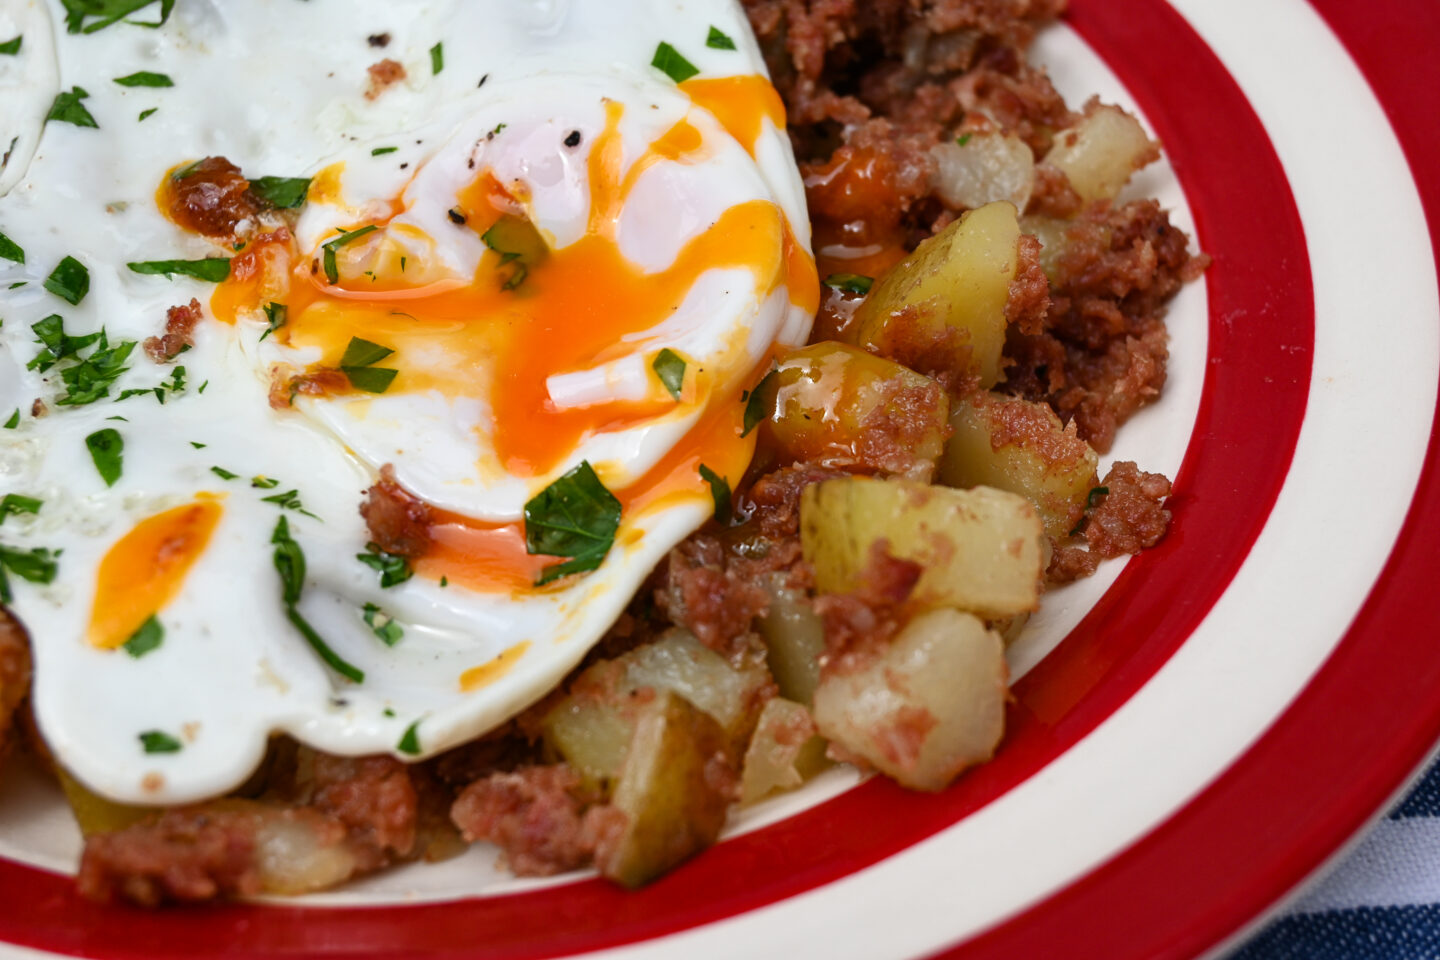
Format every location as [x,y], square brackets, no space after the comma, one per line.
[429,422]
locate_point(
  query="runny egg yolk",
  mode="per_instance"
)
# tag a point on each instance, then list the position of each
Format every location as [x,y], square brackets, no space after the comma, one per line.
[574,310]
[146,568]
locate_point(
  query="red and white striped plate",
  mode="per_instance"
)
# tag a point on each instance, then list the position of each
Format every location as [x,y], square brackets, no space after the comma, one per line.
[1193,734]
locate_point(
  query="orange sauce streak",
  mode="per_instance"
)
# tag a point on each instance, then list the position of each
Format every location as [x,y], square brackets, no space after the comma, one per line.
[481,557]
[145,569]
[487,673]
[740,104]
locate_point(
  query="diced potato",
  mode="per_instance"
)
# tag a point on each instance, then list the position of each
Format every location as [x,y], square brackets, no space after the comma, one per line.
[1051,233]
[296,854]
[980,168]
[929,705]
[981,549]
[680,663]
[668,791]
[943,307]
[94,813]
[840,406]
[591,729]
[795,638]
[784,752]
[1101,152]
[1013,444]
[591,735]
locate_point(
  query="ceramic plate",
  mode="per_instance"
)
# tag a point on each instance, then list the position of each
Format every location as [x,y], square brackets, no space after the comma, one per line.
[1193,733]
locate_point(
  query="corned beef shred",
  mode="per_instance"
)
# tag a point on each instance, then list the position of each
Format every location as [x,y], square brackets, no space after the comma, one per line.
[15,669]
[540,817]
[372,796]
[210,197]
[179,329]
[382,76]
[858,623]
[1127,518]
[399,522]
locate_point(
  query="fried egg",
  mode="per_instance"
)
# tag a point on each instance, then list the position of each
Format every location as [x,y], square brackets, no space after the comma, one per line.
[531,281]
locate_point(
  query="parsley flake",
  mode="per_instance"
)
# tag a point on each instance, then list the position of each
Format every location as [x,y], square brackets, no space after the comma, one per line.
[36,565]
[69,281]
[289,562]
[107,12]
[284,193]
[410,743]
[382,151]
[144,78]
[669,366]
[718,40]
[148,112]
[148,638]
[384,626]
[276,315]
[849,282]
[332,271]
[719,492]
[14,420]
[393,568]
[11,47]
[157,741]
[670,62]
[10,250]
[107,449]
[210,269]
[759,402]
[437,58]
[575,517]
[17,504]
[67,108]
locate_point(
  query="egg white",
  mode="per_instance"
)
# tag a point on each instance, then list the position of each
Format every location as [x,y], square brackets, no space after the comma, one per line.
[278,88]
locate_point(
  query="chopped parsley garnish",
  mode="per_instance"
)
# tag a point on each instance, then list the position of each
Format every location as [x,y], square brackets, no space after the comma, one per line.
[148,112]
[67,108]
[198,445]
[719,492]
[437,58]
[36,565]
[718,40]
[210,269]
[10,250]
[14,420]
[223,474]
[87,379]
[176,384]
[11,47]
[107,449]
[1092,500]
[148,638]
[157,741]
[498,127]
[69,281]
[283,192]
[107,12]
[758,403]
[393,568]
[520,246]
[15,503]
[276,314]
[144,78]
[669,366]
[575,517]
[382,151]
[410,742]
[384,625]
[290,564]
[850,282]
[963,139]
[358,365]
[670,62]
[289,500]
[332,272]
[264,483]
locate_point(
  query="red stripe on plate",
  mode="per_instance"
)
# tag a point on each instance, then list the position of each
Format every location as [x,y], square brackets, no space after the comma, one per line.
[1257,379]
[1362,725]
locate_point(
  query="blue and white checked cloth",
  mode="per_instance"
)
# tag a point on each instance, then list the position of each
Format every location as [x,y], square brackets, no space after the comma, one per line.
[1381,903]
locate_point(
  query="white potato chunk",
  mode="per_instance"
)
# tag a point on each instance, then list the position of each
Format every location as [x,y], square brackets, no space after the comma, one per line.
[928,705]
[795,638]
[980,168]
[982,550]
[1101,152]
[784,752]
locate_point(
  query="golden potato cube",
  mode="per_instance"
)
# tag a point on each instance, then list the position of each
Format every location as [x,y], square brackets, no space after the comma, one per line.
[784,752]
[1013,444]
[981,550]
[839,406]
[669,791]
[928,705]
[942,309]
[94,813]
[1101,152]
[795,638]
[591,735]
